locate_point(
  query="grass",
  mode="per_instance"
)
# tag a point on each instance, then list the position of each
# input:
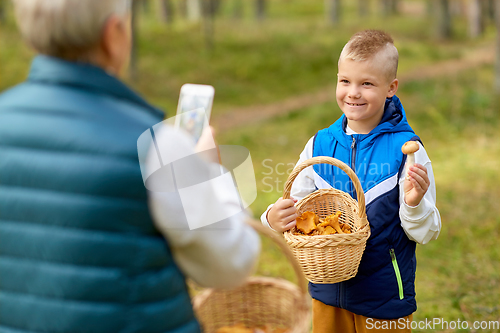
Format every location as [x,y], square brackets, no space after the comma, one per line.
[294,51]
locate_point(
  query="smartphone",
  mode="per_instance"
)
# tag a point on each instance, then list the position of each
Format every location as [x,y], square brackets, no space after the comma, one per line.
[194,108]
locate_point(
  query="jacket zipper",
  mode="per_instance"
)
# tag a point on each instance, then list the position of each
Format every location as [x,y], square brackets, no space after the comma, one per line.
[353,164]
[353,192]
[398,274]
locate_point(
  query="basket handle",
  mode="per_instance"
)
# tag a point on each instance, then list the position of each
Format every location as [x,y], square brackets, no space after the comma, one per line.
[278,239]
[335,162]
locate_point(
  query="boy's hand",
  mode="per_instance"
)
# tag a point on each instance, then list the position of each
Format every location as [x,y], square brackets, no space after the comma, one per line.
[282,215]
[416,184]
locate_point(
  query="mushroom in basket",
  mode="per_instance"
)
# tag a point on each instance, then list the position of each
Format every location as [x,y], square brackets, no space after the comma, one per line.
[310,224]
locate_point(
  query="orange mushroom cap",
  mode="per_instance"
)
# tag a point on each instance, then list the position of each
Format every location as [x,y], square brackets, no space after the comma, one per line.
[410,147]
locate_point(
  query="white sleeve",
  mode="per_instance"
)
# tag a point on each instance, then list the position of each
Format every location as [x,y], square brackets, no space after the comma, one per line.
[218,255]
[421,223]
[303,184]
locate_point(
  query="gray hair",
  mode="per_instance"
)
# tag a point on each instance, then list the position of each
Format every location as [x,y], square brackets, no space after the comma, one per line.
[65,28]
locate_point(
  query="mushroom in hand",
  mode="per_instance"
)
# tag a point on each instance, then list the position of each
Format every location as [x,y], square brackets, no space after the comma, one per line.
[409,148]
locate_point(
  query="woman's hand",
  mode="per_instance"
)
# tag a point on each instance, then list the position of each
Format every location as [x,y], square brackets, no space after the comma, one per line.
[207,146]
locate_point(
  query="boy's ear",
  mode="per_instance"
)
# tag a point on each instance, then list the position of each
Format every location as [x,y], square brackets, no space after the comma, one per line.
[393,88]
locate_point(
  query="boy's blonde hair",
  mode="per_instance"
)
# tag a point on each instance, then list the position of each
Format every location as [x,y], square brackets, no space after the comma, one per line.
[365,45]
[67,29]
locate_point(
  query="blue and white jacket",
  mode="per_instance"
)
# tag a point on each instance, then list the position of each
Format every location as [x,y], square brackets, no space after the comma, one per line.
[384,285]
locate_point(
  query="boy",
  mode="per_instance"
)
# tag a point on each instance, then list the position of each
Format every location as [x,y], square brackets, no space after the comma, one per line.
[400,204]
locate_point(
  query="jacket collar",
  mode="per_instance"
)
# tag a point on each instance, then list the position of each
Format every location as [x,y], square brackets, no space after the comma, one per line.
[85,76]
[393,120]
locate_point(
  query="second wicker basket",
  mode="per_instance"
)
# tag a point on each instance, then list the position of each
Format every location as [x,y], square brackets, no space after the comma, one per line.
[260,302]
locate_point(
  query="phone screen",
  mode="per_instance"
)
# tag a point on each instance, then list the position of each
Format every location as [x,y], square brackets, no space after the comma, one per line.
[194,108]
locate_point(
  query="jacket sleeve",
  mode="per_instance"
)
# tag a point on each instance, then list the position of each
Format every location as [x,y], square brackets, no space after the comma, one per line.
[220,254]
[303,184]
[421,223]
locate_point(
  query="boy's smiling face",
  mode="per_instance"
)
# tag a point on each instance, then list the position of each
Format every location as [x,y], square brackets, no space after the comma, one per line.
[362,88]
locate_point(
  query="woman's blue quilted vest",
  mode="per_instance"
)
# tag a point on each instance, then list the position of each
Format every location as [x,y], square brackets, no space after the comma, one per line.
[78,248]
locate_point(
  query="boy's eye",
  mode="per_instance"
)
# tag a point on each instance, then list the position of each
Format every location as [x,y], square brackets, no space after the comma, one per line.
[367,84]
[344,81]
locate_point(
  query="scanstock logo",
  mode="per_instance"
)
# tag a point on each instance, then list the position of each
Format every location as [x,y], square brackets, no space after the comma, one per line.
[208,193]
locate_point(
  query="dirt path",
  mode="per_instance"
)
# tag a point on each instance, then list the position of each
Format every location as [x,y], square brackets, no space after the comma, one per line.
[257,113]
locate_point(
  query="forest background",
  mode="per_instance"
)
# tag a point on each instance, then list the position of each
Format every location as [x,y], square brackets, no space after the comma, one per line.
[273,64]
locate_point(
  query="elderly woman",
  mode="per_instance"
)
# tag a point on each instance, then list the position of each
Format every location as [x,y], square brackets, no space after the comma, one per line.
[80,251]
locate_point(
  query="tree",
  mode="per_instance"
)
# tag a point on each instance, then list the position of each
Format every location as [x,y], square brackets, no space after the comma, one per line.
[490,11]
[395,6]
[332,10]
[165,10]
[208,21]
[237,9]
[2,11]
[497,69]
[430,7]
[133,52]
[363,7]
[476,17]
[145,5]
[215,6]
[443,19]
[389,7]
[194,10]
[260,9]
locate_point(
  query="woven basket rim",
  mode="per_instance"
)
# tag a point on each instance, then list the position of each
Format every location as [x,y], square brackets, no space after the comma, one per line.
[360,202]
[276,282]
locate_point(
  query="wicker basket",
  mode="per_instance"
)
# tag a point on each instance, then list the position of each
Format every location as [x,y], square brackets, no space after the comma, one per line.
[330,258]
[260,302]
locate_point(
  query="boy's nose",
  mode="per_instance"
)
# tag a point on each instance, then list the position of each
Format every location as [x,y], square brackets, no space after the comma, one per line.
[354,93]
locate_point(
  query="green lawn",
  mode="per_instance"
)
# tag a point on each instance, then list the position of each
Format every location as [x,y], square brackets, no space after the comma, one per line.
[293,52]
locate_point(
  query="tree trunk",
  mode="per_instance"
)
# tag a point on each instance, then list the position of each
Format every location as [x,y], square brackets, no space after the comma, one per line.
[491,10]
[208,22]
[165,11]
[386,7]
[132,69]
[182,9]
[363,7]
[497,67]
[260,9]
[194,10]
[430,8]
[145,5]
[443,19]
[237,9]
[2,11]
[394,6]
[389,7]
[332,11]
[215,7]
[488,13]
[476,17]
